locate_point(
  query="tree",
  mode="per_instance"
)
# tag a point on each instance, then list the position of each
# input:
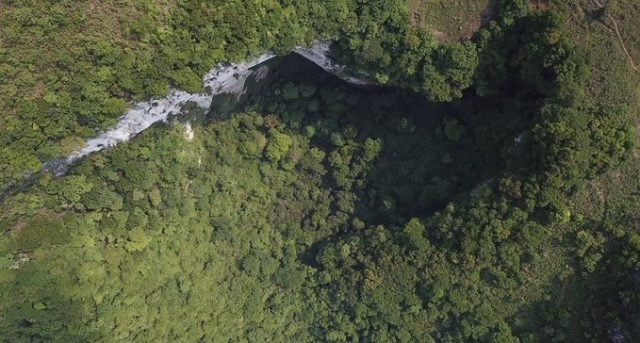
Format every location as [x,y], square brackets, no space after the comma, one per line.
[279,144]
[101,198]
[70,188]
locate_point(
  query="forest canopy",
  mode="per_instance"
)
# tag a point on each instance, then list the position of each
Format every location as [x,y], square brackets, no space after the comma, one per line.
[484,189]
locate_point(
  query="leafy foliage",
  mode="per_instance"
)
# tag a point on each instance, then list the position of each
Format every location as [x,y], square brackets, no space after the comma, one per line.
[439,209]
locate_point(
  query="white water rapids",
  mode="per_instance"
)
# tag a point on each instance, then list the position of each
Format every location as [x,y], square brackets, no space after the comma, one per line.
[221,79]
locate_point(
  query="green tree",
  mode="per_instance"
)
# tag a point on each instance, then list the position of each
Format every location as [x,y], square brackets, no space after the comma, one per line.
[279,144]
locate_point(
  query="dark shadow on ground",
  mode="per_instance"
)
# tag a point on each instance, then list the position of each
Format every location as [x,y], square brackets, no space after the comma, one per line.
[430,152]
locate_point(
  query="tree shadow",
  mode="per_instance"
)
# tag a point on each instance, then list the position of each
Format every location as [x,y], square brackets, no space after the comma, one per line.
[425,154]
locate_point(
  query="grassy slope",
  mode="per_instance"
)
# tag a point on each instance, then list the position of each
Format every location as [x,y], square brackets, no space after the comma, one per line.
[450,20]
[558,282]
[613,79]
[615,195]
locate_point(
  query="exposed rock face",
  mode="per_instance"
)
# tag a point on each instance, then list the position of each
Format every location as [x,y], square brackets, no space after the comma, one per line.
[223,79]
[319,54]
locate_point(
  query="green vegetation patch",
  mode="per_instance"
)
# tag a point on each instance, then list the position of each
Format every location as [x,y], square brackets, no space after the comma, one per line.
[450,207]
[452,20]
[223,229]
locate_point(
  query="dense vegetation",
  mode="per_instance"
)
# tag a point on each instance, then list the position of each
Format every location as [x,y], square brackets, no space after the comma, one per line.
[449,207]
[69,67]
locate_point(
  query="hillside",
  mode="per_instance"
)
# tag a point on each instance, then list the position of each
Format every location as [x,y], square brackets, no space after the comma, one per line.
[452,20]
[483,184]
